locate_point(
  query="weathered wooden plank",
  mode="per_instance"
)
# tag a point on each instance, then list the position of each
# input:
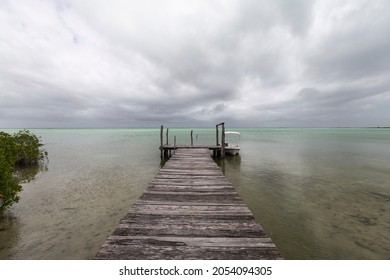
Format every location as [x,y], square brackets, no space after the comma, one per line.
[190,203]
[189,211]
[189,188]
[197,241]
[186,218]
[144,250]
[191,178]
[197,230]
[136,221]
[190,169]
[187,175]
[174,192]
[211,198]
[192,183]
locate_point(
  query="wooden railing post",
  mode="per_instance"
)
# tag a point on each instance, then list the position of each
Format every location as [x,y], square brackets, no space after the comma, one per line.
[223,141]
[221,151]
[216,135]
[167,135]
[161,140]
[174,144]
[192,139]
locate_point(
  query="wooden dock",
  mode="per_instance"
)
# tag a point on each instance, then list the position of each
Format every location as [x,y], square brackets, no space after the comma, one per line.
[189,211]
[218,149]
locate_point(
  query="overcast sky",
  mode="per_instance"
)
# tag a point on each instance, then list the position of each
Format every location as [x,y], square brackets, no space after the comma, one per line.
[123,63]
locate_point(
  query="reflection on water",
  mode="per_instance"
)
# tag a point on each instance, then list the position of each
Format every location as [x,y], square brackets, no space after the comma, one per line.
[27,174]
[163,161]
[233,162]
[9,223]
[9,235]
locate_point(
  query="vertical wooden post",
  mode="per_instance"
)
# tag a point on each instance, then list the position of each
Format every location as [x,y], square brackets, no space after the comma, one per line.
[192,139]
[174,144]
[223,141]
[221,150]
[216,135]
[167,135]
[161,139]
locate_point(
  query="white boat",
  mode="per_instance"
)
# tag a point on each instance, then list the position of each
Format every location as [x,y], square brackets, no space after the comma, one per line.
[231,142]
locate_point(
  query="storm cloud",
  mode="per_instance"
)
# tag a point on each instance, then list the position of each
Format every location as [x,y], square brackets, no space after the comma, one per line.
[144,63]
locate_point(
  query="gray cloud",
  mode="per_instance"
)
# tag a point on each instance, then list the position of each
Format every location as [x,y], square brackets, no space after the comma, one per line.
[357,49]
[356,105]
[120,63]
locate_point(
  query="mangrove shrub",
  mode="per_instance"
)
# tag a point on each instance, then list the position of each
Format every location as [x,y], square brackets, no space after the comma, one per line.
[17,150]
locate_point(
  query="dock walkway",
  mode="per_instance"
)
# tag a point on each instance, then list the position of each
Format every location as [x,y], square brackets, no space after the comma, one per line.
[189,211]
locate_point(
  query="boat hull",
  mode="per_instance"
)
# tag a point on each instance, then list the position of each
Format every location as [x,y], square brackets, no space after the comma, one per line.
[232,151]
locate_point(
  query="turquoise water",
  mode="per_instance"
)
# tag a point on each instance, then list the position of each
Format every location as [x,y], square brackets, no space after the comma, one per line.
[319,193]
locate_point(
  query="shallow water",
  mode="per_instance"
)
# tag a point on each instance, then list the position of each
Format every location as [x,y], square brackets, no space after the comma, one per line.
[319,193]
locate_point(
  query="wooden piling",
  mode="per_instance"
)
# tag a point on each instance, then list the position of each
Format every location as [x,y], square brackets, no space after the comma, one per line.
[223,141]
[174,144]
[222,149]
[216,135]
[161,140]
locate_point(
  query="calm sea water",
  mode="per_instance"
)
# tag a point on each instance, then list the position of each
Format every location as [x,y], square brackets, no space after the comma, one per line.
[319,193]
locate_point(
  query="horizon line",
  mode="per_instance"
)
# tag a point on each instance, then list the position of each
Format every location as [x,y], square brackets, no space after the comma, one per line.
[202,127]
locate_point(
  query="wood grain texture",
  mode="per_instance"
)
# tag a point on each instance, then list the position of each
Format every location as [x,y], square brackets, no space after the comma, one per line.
[189,211]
